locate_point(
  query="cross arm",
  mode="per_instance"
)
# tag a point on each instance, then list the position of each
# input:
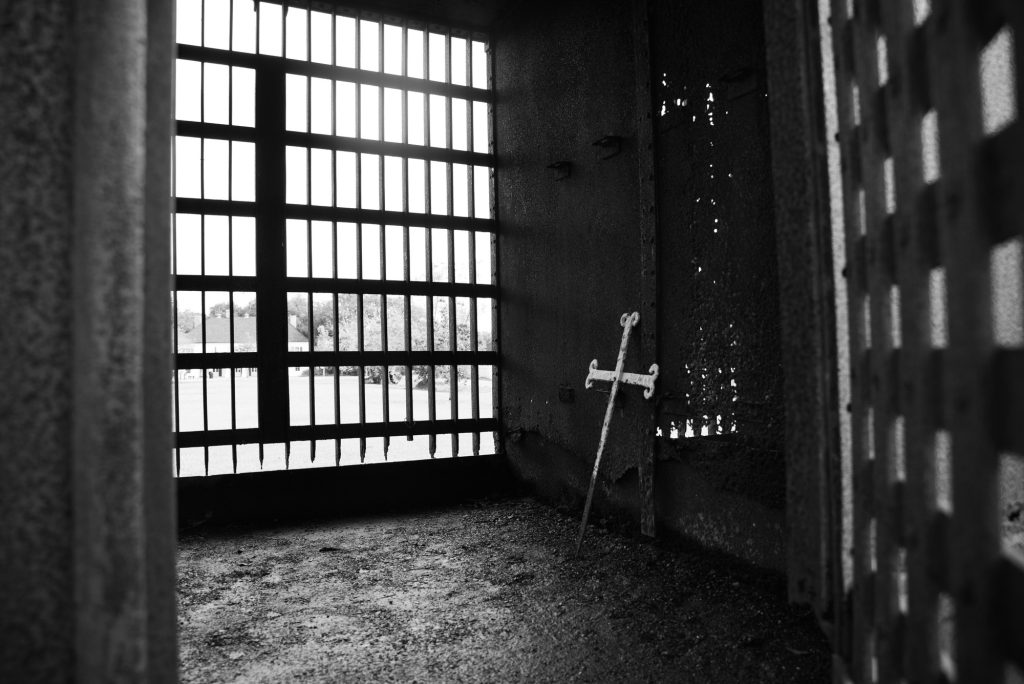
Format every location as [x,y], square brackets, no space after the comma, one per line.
[643,380]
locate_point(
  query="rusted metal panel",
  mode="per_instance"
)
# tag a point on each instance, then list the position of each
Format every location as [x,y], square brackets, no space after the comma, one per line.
[718,277]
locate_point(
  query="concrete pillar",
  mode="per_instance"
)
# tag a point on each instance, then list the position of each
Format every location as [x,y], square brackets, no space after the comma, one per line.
[86,493]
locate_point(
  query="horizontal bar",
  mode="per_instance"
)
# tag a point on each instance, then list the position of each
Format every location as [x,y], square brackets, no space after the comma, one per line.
[394,429]
[1007,606]
[381,147]
[198,360]
[338,73]
[200,438]
[1001,182]
[390,218]
[937,550]
[1008,402]
[298,359]
[199,129]
[391,358]
[209,438]
[392,287]
[643,380]
[216,283]
[370,11]
[194,205]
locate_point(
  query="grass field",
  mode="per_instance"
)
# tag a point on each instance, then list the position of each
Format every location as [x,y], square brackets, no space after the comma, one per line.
[246,400]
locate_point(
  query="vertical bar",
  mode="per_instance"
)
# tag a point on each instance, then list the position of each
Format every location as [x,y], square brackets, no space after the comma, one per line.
[453,372]
[174,332]
[471,203]
[231,349]
[309,234]
[231,236]
[310,329]
[334,237]
[975,542]
[272,319]
[408,334]
[647,444]
[312,338]
[202,315]
[360,337]
[385,378]
[406,257]
[202,230]
[920,645]
[432,381]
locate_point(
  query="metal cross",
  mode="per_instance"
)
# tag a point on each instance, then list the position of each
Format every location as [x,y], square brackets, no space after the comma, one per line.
[616,377]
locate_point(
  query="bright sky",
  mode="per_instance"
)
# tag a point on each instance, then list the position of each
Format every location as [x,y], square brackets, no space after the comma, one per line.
[216,169]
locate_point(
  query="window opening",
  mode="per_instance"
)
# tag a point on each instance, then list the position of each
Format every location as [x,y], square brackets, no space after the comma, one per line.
[334,294]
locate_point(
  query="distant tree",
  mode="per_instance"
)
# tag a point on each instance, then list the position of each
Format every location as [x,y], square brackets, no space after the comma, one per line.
[220,310]
[343,334]
[187,321]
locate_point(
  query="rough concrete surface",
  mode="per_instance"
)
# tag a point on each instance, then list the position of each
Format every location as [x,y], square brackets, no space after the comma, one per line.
[486,592]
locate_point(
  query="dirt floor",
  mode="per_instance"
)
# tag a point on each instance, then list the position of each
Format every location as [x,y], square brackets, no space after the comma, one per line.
[487,592]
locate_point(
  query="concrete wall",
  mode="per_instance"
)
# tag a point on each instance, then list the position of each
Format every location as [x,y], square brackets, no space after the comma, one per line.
[87,540]
[570,260]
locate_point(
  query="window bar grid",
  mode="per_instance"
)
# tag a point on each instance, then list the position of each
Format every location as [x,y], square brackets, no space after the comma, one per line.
[455,322]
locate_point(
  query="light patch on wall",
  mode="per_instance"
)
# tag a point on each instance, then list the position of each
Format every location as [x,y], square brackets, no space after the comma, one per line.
[1007,293]
[998,77]
[930,159]
[937,291]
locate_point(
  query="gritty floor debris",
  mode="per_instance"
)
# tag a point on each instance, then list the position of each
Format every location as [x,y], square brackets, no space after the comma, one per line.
[486,592]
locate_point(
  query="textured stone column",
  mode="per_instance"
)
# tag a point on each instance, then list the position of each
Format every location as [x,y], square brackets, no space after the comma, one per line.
[86,512]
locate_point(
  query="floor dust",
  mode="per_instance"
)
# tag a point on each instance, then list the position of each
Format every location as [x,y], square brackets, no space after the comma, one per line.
[487,592]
